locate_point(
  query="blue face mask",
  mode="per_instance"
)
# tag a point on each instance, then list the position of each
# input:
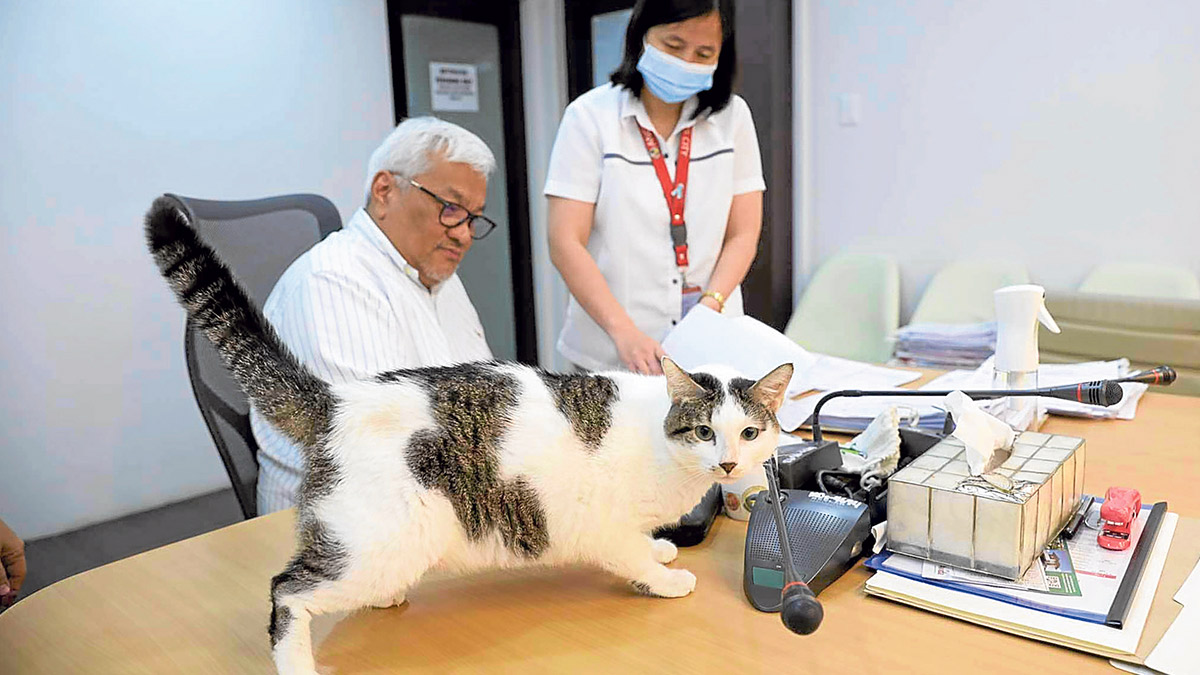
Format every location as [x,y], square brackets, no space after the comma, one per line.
[672,79]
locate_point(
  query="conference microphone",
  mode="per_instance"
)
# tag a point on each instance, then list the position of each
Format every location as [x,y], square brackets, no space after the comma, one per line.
[1163,375]
[799,608]
[1098,392]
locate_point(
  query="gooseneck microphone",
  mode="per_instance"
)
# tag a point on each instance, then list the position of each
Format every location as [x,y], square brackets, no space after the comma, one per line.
[1099,392]
[799,608]
[1160,375]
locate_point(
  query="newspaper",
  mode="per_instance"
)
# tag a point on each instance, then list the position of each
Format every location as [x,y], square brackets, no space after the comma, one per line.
[1051,573]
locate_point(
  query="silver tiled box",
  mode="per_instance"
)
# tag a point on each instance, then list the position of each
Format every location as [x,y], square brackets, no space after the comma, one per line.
[937,511]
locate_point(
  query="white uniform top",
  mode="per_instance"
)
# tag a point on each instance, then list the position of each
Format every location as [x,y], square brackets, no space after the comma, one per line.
[599,157]
[349,309]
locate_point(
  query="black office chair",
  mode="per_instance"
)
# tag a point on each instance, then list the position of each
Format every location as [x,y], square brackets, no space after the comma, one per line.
[257,239]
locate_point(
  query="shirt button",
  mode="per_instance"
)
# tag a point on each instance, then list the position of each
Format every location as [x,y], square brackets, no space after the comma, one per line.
[675,281]
[674,322]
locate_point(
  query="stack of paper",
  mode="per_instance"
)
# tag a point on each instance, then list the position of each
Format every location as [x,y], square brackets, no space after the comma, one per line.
[1054,375]
[1071,620]
[945,345]
[705,337]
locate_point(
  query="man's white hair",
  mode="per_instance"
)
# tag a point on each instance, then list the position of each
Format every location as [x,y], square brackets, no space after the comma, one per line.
[413,145]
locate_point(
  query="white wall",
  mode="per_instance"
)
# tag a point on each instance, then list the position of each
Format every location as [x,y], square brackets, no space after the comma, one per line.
[1059,134]
[104,106]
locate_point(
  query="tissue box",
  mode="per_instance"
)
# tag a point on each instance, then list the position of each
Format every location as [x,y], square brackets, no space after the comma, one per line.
[939,512]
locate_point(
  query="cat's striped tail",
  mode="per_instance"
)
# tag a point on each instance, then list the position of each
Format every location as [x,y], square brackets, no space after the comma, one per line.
[294,400]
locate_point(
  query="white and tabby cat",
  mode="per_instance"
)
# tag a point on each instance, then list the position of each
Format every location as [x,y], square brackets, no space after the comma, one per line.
[478,465]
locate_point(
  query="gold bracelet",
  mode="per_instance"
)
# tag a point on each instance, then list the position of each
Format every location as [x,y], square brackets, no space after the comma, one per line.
[715,295]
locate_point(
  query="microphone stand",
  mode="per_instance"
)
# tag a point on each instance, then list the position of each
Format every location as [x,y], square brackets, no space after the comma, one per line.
[799,608]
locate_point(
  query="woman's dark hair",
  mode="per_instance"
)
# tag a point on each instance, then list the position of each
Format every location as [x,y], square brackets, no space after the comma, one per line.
[650,13]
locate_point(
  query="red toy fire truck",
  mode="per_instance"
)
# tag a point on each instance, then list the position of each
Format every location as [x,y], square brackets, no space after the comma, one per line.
[1117,513]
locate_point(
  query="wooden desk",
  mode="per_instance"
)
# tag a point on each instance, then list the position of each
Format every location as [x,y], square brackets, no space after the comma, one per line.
[201,606]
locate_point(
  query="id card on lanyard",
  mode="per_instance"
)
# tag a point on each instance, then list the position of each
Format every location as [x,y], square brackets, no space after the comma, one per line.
[675,192]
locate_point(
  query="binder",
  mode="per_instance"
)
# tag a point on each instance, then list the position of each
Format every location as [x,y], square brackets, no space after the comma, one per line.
[1112,613]
[1181,559]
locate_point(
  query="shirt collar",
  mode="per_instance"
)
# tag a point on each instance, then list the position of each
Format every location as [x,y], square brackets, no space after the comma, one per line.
[364,224]
[632,106]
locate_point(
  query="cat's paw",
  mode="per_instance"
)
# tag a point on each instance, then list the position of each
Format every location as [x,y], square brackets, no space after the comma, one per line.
[667,583]
[664,551]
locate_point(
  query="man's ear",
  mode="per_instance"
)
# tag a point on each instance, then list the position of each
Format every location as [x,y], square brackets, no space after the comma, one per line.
[770,389]
[382,185]
[680,385]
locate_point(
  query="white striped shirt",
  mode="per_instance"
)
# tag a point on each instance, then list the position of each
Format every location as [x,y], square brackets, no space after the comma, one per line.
[349,309]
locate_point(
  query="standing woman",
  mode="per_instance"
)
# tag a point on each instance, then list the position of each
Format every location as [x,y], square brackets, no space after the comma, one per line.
[655,188]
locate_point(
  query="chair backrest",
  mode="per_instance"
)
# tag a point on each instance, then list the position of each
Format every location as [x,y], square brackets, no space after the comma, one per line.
[258,240]
[1147,331]
[1150,280]
[850,308]
[962,291]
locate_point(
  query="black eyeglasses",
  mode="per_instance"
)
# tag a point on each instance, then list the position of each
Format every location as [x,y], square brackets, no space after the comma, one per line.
[453,215]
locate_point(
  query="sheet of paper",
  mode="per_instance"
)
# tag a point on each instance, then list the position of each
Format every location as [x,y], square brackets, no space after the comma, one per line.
[832,372]
[706,337]
[1175,653]
[1134,668]
[454,87]
[1033,623]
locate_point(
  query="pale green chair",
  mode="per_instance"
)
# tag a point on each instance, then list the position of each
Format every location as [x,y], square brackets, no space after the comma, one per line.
[1144,280]
[850,308]
[962,291]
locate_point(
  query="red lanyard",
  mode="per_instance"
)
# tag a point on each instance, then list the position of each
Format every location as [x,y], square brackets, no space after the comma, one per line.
[675,193]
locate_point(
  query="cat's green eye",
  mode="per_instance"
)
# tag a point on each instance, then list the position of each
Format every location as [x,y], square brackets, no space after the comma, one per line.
[750,433]
[704,433]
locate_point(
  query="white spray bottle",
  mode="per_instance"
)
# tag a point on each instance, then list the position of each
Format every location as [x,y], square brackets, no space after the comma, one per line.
[1018,311]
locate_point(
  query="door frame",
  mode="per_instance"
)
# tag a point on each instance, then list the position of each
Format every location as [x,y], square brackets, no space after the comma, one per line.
[505,16]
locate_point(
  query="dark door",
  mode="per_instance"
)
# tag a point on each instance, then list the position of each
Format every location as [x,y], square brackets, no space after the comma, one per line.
[460,60]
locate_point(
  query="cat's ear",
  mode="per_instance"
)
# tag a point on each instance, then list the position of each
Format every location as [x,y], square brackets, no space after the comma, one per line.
[770,389]
[680,385]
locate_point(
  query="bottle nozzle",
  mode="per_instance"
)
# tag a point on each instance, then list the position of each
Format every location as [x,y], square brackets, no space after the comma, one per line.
[1046,319]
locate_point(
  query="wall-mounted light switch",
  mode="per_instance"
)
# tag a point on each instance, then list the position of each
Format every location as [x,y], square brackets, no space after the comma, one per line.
[849,109]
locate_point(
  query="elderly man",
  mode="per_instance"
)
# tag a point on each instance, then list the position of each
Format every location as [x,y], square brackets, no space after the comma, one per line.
[382,293]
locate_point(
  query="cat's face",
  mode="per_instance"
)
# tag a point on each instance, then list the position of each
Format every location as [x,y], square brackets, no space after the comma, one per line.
[721,425]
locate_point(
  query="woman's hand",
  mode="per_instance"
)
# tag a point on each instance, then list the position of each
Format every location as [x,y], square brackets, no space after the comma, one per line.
[638,351]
